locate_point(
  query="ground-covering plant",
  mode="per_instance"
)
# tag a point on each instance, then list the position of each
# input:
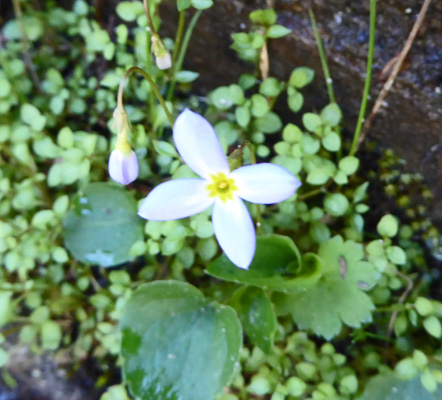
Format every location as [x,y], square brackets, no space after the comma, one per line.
[328,308]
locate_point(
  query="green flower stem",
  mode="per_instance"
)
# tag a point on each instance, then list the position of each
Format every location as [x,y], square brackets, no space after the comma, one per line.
[149,18]
[179,35]
[153,87]
[363,108]
[325,69]
[182,52]
[323,58]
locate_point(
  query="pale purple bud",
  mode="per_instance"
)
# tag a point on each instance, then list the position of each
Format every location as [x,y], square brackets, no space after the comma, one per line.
[123,166]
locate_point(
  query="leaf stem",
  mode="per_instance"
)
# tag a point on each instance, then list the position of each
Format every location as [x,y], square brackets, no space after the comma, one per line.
[182,52]
[179,35]
[363,108]
[153,86]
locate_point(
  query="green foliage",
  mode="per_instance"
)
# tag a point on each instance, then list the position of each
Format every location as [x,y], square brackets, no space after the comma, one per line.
[277,265]
[160,361]
[339,296]
[59,223]
[86,226]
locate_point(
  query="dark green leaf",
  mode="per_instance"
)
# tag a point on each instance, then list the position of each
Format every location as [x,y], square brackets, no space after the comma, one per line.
[103,226]
[387,386]
[256,313]
[277,265]
[182,348]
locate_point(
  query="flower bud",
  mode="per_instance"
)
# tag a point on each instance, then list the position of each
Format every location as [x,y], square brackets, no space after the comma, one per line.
[123,166]
[163,58]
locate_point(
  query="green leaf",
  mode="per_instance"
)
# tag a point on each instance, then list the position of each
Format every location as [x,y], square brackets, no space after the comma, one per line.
[277,265]
[186,76]
[184,347]
[247,81]
[165,148]
[318,177]
[331,115]
[202,4]
[311,121]
[349,165]
[360,192]
[257,316]
[338,296]
[295,101]
[103,226]
[331,142]
[388,226]
[183,4]
[396,255]
[424,306]
[270,123]
[270,87]
[387,386]
[336,204]
[221,98]
[130,10]
[301,77]
[260,106]
[50,335]
[30,115]
[433,327]
[265,17]
[242,115]
[277,31]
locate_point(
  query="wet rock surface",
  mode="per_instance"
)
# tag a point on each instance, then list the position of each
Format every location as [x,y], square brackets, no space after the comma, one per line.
[41,377]
[410,121]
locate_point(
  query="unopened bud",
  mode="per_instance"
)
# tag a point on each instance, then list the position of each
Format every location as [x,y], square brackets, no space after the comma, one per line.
[123,166]
[163,58]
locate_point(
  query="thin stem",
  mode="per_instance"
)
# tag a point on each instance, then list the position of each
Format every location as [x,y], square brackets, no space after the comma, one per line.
[153,87]
[325,69]
[363,108]
[182,52]
[149,18]
[396,69]
[179,35]
[323,58]
[25,44]
[401,299]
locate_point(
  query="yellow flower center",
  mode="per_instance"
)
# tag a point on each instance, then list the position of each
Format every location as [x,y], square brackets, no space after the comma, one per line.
[222,187]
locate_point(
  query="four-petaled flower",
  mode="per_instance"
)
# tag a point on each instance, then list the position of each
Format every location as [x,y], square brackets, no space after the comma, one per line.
[199,147]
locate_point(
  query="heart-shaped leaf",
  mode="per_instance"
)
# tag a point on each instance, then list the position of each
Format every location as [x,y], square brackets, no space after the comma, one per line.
[176,344]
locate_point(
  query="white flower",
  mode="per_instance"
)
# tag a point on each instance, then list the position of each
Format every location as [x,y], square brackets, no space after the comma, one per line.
[198,145]
[123,166]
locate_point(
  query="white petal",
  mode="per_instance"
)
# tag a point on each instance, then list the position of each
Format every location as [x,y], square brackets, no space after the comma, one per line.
[234,230]
[198,145]
[164,61]
[123,167]
[265,183]
[176,199]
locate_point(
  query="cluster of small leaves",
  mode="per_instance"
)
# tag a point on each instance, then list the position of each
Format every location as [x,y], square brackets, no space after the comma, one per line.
[248,45]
